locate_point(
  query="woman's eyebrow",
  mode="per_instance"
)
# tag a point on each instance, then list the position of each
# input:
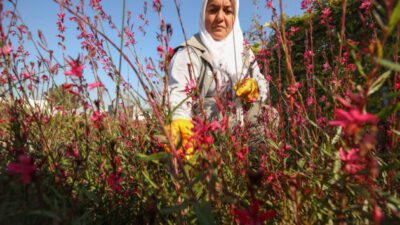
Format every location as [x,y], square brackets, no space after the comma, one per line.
[213,5]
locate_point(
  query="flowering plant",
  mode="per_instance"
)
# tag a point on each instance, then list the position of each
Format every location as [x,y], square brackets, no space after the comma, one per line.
[330,156]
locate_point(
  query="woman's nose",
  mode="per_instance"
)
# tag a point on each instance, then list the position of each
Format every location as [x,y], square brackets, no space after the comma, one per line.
[220,15]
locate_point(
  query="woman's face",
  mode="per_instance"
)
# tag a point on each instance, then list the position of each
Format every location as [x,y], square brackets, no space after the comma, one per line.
[219,18]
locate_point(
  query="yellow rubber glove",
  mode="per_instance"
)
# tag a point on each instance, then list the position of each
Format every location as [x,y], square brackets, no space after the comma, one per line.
[181,130]
[247,90]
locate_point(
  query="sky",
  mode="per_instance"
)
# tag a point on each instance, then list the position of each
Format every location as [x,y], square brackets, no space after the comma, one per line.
[42,15]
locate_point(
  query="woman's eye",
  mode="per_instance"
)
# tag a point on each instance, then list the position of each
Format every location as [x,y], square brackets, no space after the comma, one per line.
[228,11]
[213,10]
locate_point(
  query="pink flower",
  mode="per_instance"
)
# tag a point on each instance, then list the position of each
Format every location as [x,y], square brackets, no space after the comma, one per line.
[397,86]
[97,118]
[190,88]
[293,88]
[6,49]
[326,66]
[282,152]
[61,16]
[351,121]
[170,51]
[214,125]
[67,86]
[76,68]
[95,3]
[95,85]
[308,54]
[354,163]
[321,121]
[306,4]
[149,66]
[73,151]
[294,30]
[351,67]
[202,131]
[325,17]
[25,76]
[241,155]
[157,5]
[326,12]
[54,69]
[253,216]
[160,50]
[131,36]
[269,4]
[162,53]
[378,215]
[310,100]
[366,5]
[22,29]
[24,167]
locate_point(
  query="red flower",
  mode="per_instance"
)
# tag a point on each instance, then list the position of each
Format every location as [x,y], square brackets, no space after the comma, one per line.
[160,50]
[241,155]
[326,12]
[306,4]
[366,5]
[202,131]
[95,85]
[6,49]
[397,85]
[24,168]
[67,86]
[378,215]
[97,118]
[351,120]
[294,30]
[76,68]
[293,88]
[114,182]
[354,163]
[253,216]
[190,88]
[269,4]
[157,5]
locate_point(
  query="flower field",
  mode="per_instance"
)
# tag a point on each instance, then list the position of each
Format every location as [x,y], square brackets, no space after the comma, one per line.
[332,156]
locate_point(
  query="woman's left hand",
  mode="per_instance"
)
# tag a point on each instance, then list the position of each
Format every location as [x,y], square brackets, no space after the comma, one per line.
[247,90]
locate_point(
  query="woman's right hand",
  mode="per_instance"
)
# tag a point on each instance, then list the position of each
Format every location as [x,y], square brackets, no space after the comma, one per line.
[181,132]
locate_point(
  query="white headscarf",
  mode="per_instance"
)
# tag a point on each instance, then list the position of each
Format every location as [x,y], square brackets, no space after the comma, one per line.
[224,52]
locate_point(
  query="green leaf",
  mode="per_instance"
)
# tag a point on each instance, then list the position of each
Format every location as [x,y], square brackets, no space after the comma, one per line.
[301,163]
[175,209]
[358,64]
[394,19]
[395,201]
[389,64]
[396,132]
[146,175]
[379,82]
[337,136]
[153,157]
[385,112]
[204,214]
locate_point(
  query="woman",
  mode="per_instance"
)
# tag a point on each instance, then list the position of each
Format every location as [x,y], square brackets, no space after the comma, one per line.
[220,66]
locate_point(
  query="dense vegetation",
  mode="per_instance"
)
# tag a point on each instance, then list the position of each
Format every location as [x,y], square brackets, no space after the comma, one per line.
[334,159]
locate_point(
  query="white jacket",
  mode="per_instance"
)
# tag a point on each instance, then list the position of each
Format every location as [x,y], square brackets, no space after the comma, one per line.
[179,79]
